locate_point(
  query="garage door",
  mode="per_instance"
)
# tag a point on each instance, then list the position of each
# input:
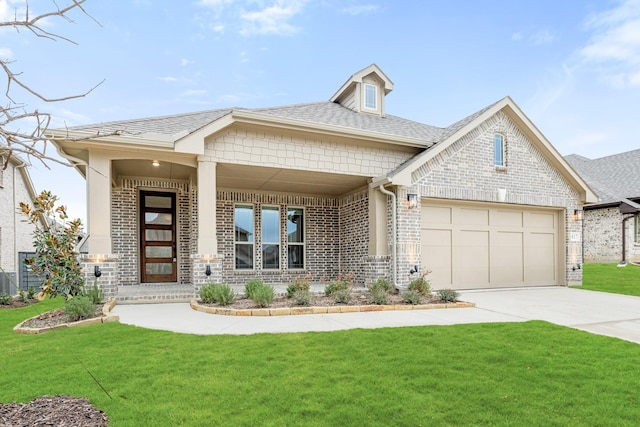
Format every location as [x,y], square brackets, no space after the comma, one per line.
[471,245]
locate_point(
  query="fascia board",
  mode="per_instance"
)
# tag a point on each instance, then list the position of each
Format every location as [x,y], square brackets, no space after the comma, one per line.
[144,140]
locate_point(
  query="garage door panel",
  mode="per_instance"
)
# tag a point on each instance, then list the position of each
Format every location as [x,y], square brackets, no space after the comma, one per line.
[489,245]
[436,247]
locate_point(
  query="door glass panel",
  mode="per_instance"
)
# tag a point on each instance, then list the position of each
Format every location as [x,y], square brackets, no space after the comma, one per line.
[158,218]
[159,252]
[157,235]
[157,202]
[159,268]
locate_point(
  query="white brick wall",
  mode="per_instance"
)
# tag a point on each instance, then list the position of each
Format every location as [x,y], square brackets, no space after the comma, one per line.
[603,236]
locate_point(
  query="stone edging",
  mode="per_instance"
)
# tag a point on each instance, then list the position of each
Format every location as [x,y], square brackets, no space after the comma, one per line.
[106,317]
[289,311]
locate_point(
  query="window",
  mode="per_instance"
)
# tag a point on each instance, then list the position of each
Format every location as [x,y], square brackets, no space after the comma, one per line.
[243,237]
[498,149]
[295,238]
[270,237]
[370,97]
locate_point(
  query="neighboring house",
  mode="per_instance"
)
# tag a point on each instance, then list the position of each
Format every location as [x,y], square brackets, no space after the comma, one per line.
[16,234]
[327,188]
[616,180]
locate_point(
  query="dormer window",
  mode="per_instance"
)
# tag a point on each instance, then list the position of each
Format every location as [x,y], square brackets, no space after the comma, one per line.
[370,97]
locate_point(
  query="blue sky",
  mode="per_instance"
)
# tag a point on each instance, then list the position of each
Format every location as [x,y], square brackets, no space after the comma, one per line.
[573,66]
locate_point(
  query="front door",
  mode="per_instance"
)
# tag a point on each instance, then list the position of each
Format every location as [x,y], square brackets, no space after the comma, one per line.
[158,237]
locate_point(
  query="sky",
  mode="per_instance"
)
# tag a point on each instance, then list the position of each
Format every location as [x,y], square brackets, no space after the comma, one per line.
[572,66]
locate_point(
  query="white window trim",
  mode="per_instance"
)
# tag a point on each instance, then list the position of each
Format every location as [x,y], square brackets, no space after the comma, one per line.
[502,165]
[235,242]
[278,243]
[304,239]
[375,97]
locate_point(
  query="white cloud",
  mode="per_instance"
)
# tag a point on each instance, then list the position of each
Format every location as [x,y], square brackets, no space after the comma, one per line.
[360,9]
[273,19]
[217,28]
[6,53]
[184,62]
[542,37]
[168,79]
[194,92]
[517,36]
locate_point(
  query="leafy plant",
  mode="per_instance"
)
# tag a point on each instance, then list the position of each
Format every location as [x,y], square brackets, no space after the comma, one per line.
[79,308]
[223,294]
[412,297]
[383,284]
[207,293]
[31,292]
[262,295]
[96,294]
[24,296]
[342,296]
[251,286]
[299,284]
[342,283]
[379,295]
[421,285]
[448,295]
[302,297]
[55,242]
[5,299]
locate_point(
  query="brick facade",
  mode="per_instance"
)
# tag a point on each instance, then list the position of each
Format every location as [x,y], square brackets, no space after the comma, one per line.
[603,236]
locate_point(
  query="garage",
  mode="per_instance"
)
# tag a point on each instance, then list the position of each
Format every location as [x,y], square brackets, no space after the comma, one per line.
[484,245]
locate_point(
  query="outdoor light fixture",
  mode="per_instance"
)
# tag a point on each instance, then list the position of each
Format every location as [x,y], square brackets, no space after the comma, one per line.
[576,267]
[577,215]
[96,271]
[413,200]
[207,270]
[155,163]
[414,269]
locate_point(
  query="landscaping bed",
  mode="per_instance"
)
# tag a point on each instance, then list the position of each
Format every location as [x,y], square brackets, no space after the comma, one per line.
[57,318]
[58,411]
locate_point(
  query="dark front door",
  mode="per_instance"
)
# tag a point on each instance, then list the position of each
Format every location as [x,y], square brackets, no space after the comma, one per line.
[158,237]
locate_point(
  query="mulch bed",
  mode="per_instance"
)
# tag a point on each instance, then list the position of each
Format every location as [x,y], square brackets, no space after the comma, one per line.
[54,318]
[18,303]
[60,411]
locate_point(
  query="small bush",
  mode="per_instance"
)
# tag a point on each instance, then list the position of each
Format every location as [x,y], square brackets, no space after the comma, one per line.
[96,294]
[5,299]
[302,297]
[342,296]
[448,295]
[24,296]
[31,292]
[79,308]
[223,294]
[298,284]
[207,293]
[420,285]
[412,297]
[379,295]
[383,284]
[342,283]
[251,286]
[262,295]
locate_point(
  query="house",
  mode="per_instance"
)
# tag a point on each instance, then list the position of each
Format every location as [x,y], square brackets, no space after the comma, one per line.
[325,188]
[16,234]
[611,227]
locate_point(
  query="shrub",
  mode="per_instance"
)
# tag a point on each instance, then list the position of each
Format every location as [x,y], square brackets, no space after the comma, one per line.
[79,308]
[342,283]
[262,295]
[31,292]
[24,296]
[448,295]
[412,297]
[420,285]
[383,284]
[55,259]
[302,297]
[342,296]
[96,294]
[223,294]
[207,293]
[5,299]
[251,286]
[298,284]
[379,295]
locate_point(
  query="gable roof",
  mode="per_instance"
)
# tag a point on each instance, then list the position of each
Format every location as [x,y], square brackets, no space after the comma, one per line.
[359,76]
[615,178]
[402,174]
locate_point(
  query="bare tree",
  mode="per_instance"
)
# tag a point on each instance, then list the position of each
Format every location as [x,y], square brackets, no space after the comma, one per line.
[22,130]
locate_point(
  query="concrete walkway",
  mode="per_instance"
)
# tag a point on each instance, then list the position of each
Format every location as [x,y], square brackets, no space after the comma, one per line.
[596,312]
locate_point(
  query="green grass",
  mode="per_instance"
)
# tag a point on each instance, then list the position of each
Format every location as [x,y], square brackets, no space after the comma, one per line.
[611,278]
[532,373]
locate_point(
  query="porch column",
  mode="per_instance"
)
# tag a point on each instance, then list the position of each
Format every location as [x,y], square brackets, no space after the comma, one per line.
[99,203]
[207,199]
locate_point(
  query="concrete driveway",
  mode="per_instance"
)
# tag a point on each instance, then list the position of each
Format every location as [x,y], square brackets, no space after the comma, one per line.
[596,312]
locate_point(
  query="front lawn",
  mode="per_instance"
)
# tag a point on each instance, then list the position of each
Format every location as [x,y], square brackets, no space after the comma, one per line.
[611,278]
[532,373]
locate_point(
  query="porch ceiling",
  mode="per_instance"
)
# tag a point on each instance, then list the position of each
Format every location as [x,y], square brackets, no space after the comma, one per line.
[285,180]
[166,170]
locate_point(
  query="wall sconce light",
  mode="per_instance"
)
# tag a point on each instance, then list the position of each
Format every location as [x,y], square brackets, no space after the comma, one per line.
[578,215]
[576,267]
[414,269]
[155,163]
[413,200]
[207,270]
[96,271]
